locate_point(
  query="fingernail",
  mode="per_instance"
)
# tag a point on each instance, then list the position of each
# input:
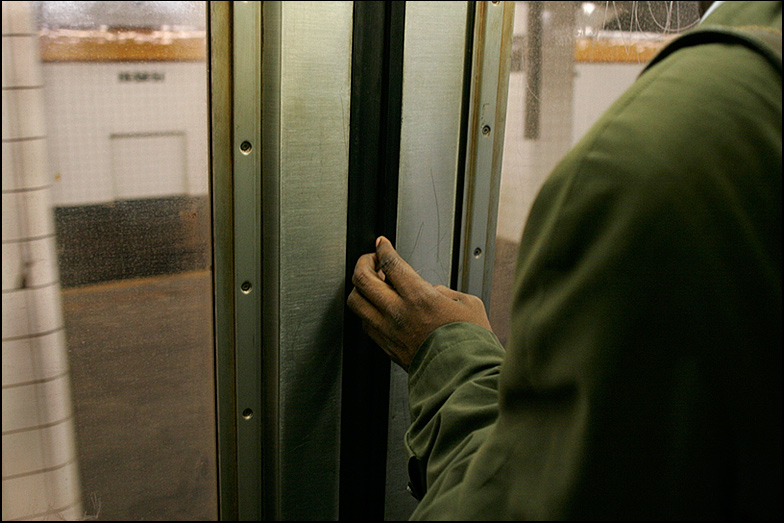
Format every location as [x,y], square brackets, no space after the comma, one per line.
[378,241]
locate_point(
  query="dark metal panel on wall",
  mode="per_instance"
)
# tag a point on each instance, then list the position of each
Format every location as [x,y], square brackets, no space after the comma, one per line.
[377,68]
[410,86]
[410,83]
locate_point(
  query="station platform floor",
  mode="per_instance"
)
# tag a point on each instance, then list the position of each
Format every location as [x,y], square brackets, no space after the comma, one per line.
[141,358]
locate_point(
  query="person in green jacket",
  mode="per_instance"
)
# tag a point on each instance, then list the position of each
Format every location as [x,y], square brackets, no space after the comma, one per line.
[642,378]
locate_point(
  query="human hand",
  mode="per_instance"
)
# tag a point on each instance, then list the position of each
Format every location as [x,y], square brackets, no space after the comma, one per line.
[399,309]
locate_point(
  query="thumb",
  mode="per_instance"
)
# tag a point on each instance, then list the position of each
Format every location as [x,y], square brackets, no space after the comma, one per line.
[398,272]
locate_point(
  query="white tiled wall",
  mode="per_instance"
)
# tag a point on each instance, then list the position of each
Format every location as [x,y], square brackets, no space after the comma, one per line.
[145,166]
[31,311]
[28,156]
[35,260]
[27,407]
[27,359]
[40,472]
[87,104]
[49,489]
[27,215]
[30,123]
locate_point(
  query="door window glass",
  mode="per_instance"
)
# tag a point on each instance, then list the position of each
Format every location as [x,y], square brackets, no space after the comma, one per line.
[108,387]
[570,61]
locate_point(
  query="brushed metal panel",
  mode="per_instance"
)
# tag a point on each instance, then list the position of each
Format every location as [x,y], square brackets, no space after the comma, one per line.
[430,133]
[433,62]
[313,98]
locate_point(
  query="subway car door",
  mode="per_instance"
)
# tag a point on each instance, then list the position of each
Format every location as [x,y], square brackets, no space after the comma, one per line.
[186,189]
[347,120]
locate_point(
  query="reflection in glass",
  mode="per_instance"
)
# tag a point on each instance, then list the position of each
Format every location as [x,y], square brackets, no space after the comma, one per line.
[570,61]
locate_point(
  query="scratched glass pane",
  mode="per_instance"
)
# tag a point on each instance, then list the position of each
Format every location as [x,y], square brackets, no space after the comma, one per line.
[112,190]
[570,61]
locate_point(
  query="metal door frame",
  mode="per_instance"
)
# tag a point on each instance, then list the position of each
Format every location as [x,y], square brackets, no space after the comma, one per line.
[245,79]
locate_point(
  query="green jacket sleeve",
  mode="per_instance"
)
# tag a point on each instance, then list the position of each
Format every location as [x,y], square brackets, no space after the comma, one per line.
[453,388]
[642,379]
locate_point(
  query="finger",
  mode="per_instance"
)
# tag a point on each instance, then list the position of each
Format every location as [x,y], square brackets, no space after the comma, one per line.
[398,272]
[363,308]
[368,282]
[367,262]
[372,323]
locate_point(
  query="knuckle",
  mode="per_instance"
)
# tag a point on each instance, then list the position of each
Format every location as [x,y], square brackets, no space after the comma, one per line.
[422,300]
[364,268]
[398,319]
[388,263]
[362,262]
[477,301]
[359,278]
